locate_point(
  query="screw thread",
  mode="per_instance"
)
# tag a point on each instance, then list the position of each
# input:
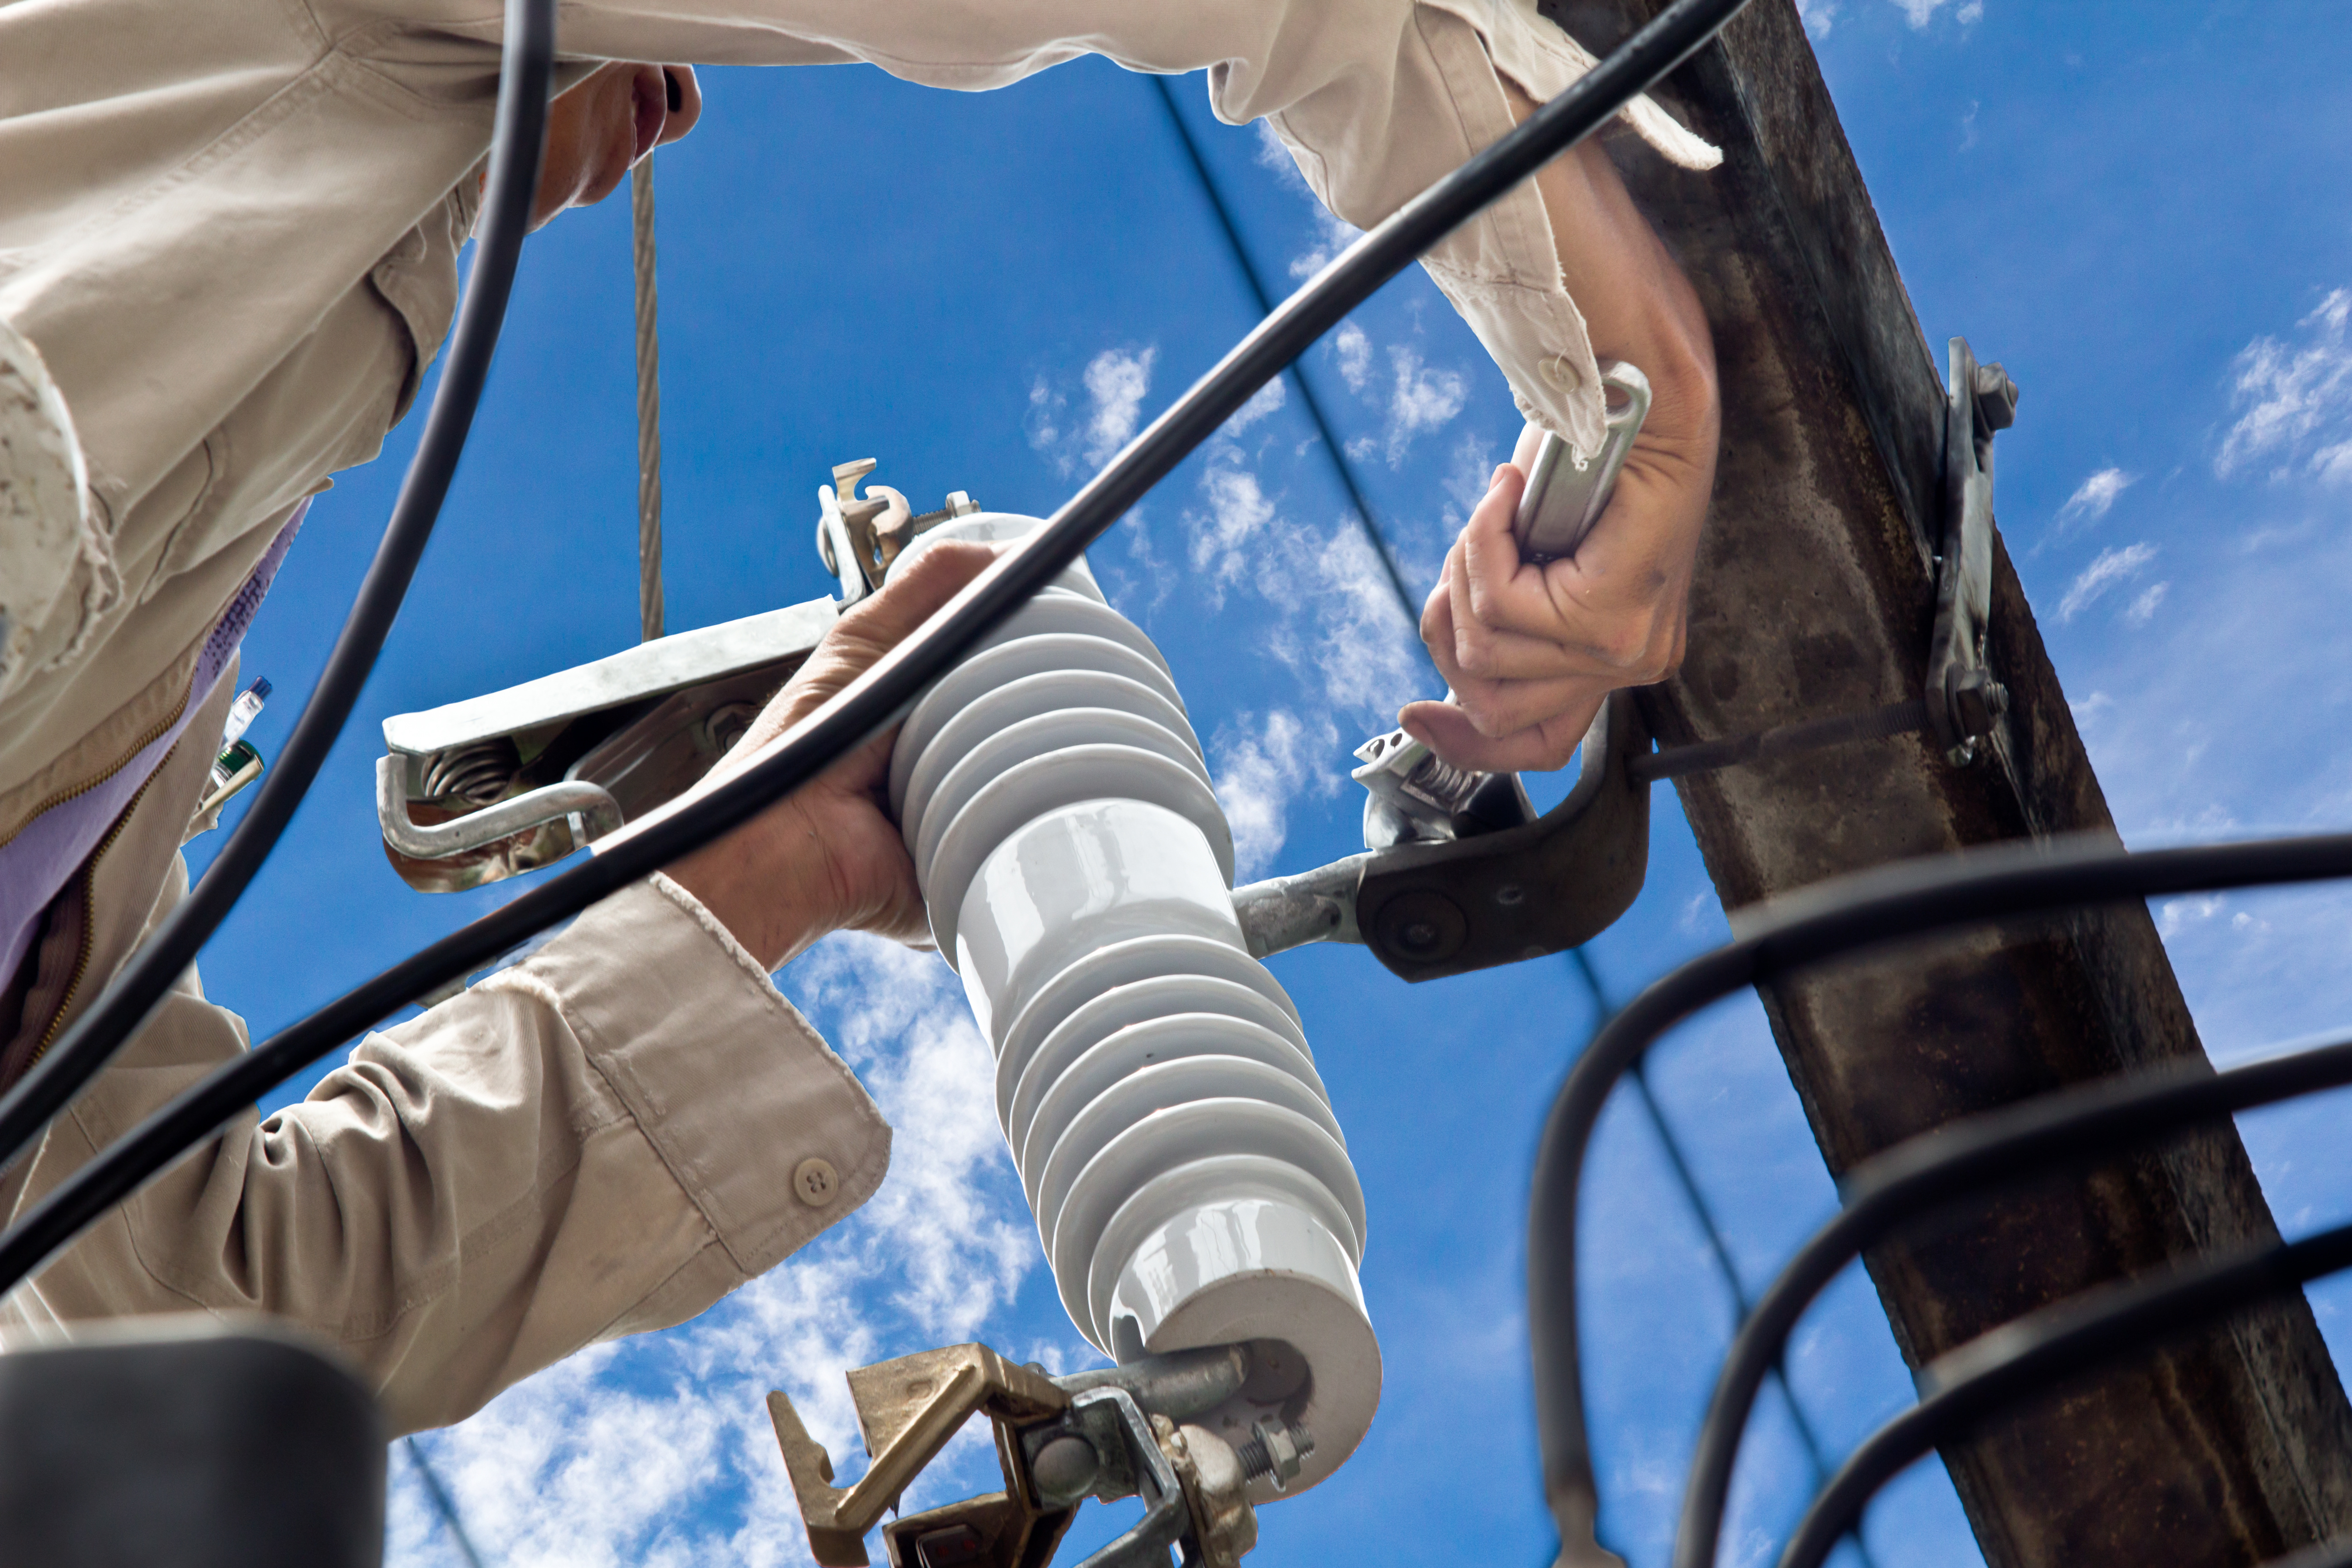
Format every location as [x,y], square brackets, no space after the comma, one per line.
[1254,1460]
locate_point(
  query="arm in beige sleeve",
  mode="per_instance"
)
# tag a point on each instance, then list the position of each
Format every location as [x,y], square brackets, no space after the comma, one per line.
[603,1139]
[1376,100]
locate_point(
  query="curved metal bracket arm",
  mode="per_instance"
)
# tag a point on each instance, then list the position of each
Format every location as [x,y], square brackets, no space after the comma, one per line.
[600,814]
[907,1409]
[1428,910]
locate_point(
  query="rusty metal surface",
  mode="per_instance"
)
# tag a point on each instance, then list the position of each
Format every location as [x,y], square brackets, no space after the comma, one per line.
[1815,598]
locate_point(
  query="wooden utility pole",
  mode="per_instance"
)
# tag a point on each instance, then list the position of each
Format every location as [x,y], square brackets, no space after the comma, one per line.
[1815,598]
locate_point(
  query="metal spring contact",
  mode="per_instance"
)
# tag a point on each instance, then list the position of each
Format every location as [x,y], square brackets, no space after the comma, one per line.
[480,774]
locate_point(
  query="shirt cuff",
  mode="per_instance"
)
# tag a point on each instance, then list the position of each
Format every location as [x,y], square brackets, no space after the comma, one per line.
[1501,270]
[765,1129]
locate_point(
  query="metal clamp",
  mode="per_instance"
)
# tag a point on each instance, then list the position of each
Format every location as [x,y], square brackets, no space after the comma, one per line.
[907,1409]
[1964,701]
[1119,1432]
[598,812]
[869,531]
[1960,702]
[1447,906]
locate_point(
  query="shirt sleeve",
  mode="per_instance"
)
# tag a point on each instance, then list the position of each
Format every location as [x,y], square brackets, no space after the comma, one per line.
[603,1139]
[1376,100]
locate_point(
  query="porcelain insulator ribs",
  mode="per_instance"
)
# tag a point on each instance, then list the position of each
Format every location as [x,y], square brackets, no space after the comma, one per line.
[1176,1144]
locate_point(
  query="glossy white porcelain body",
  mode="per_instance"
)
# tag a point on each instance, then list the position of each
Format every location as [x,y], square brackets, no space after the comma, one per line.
[1190,1183]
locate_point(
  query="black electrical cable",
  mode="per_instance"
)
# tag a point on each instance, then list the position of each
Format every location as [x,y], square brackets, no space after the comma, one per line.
[1258,292]
[1871,909]
[2068,1128]
[876,698]
[526,68]
[2047,1350]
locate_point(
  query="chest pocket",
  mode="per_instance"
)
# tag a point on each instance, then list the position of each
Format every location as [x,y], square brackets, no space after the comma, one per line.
[327,405]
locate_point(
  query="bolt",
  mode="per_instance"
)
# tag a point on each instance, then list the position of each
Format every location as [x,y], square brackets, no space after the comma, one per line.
[1511,893]
[1276,1450]
[1417,936]
[1065,1467]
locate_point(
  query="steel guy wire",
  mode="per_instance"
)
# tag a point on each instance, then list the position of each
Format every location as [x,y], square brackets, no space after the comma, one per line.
[878,697]
[649,486]
[1815,1454]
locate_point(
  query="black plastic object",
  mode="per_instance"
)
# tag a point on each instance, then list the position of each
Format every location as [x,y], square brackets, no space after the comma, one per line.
[1521,889]
[2072,1127]
[2036,1355]
[187,1443]
[1846,915]
[876,699]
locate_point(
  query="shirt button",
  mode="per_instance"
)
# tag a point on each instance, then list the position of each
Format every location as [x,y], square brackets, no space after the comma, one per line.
[1561,371]
[816,1182]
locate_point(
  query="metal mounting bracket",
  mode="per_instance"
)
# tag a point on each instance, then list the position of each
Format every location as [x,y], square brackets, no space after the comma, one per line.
[1447,907]
[1108,1434]
[868,532]
[1959,701]
[1964,701]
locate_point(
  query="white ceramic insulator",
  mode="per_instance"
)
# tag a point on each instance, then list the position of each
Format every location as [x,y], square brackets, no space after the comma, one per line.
[1191,1183]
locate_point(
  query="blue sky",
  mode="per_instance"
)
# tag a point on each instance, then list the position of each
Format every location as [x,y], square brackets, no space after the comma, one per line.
[2141,210]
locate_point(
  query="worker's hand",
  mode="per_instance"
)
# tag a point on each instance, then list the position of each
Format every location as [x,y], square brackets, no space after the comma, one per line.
[604,125]
[1530,650]
[827,858]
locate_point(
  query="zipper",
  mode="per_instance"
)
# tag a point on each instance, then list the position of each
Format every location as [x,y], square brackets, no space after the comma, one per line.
[89,926]
[155,732]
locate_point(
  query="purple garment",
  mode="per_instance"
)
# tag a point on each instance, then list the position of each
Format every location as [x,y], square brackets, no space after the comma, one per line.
[35,864]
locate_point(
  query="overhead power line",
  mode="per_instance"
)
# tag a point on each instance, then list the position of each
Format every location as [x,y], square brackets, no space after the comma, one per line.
[1365,517]
[442,1504]
[1676,1162]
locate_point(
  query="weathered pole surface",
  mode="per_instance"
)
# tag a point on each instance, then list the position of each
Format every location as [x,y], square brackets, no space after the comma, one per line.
[1815,598]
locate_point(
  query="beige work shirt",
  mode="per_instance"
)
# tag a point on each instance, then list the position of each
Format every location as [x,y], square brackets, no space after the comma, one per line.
[230,228]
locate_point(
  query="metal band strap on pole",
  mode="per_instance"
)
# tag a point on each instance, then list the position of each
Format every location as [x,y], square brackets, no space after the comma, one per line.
[649,539]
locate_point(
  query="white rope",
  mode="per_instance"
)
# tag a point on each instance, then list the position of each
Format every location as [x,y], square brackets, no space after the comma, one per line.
[649,539]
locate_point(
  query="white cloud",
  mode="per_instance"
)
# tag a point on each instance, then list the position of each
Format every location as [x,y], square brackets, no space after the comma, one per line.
[1818,15]
[1336,618]
[1261,769]
[2143,609]
[1262,402]
[2094,498]
[1922,12]
[1421,400]
[1274,155]
[2295,396]
[1355,352]
[1116,382]
[2112,568]
[1043,420]
[658,1450]
[1227,543]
